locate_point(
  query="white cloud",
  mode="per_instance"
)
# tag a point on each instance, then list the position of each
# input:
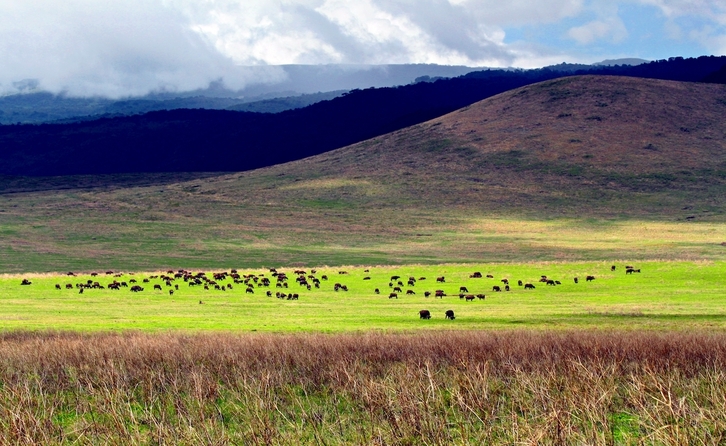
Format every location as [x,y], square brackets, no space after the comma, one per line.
[611,29]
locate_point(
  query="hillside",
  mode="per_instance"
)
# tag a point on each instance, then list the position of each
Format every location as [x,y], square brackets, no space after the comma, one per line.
[581,168]
[193,140]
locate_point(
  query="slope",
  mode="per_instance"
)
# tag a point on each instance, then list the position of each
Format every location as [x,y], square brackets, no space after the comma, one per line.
[582,168]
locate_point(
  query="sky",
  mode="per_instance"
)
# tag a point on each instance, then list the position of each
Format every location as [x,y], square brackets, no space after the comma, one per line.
[133,47]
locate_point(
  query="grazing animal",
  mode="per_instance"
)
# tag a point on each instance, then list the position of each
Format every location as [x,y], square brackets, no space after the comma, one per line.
[476,275]
[395,278]
[506,287]
[80,291]
[440,293]
[366,278]
[250,291]
[469,297]
[157,287]
[463,289]
[69,286]
[377,291]
[489,276]
[481,296]
[171,292]
[528,286]
[269,294]
[441,279]
[424,314]
[576,280]
[200,302]
[612,268]
[589,278]
[393,296]
[397,289]
[496,288]
[505,281]
[427,293]
[410,292]
[57,287]
[550,282]
[450,315]
[519,282]
[26,282]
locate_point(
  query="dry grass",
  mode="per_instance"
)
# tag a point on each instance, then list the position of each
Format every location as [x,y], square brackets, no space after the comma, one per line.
[440,388]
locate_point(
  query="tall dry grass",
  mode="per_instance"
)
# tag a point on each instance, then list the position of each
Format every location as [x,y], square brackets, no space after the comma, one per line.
[372,388]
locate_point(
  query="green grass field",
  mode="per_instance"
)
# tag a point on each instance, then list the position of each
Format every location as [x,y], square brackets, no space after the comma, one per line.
[666,295]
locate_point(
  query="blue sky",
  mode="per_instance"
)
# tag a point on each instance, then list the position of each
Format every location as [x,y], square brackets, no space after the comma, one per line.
[97,47]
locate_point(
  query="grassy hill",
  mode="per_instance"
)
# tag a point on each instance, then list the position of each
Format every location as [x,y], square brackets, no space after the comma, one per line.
[580,168]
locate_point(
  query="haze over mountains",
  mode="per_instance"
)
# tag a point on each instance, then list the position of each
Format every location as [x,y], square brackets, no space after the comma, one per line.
[288,87]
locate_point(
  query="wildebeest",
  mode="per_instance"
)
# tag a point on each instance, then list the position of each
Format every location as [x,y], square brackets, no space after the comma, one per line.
[424,314]
[589,278]
[410,292]
[393,296]
[469,297]
[550,282]
[463,289]
[69,286]
[450,315]
[441,279]
[528,286]
[250,291]
[395,277]
[481,296]
[136,288]
[440,293]
[157,287]
[496,288]
[397,289]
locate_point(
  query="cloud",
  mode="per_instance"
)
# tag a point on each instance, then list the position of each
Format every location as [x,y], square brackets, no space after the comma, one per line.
[612,29]
[87,47]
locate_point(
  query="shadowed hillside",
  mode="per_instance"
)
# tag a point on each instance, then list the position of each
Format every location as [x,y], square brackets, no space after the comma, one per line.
[577,168]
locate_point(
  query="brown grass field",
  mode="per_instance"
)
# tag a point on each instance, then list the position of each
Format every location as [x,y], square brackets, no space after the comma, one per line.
[512,387]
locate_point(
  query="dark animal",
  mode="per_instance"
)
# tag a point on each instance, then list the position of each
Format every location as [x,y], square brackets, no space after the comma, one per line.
[476,275]
[463,289]
[481,296]
[528,286]
[69,286]
[395,277]
[424,314]
[589,278]
[612,268]
[57,287]
[576,280]
[26,282]
[157,287]
[397,289]
[377,291]
[440,293]
[80,291]
[410,292]
[489,276]
[393,296]
[550,282]
[496,288]
[469,297]
[519,282]
[427,293]
[506,287]
[441,279]
[269,294]
[450,315]
[171,292]
[505,281]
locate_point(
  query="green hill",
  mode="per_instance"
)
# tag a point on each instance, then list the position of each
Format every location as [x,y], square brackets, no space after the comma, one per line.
[582,168]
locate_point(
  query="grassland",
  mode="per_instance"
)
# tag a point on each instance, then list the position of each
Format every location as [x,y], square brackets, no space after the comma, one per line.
[510,387]
[664,296]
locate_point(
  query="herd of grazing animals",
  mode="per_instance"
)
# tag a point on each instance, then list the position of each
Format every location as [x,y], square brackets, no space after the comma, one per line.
[224,282]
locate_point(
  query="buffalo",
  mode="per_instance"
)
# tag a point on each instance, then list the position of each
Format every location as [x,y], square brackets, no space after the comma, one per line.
[441,279]
[589,278]
[496,288]
[450,315]
[469,297]
[463,289]
[528,286]
[424,314]
[393,296]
